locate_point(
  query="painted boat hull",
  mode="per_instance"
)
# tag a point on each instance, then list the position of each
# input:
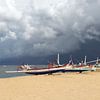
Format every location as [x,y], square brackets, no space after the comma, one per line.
[44,72]
[76,70]
[51,71]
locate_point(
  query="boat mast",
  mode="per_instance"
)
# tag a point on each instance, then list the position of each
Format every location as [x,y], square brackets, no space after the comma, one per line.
[97,62]
[58,59]
[85,60]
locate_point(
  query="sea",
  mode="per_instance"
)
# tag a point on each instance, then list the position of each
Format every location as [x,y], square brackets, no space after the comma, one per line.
[4,68]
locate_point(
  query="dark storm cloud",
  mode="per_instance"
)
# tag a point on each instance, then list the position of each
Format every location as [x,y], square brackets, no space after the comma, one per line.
[27,28]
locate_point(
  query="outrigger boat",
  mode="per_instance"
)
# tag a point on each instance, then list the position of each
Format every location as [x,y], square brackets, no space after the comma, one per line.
[37,71]
[40,71]
[52,68]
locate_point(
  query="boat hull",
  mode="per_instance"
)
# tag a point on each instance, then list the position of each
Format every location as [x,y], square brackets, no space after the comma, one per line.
[38,72]
[44,72]
[76,70]
[51,71]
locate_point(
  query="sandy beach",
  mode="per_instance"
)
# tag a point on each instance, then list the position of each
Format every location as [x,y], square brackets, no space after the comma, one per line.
[68,86]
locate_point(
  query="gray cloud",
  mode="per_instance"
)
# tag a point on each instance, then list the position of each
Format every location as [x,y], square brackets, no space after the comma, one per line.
[26,28]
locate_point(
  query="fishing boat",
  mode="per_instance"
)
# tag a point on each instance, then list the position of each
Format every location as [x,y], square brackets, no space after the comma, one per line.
[37,71]
[81,67]
[52,68]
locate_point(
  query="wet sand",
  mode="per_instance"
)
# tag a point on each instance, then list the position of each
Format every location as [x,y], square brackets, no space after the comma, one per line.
[68,86]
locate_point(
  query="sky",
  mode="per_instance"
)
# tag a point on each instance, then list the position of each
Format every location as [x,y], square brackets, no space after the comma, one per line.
[40,28]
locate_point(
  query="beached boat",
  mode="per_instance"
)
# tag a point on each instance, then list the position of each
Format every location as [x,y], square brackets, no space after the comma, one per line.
[37,71]
[50,70]
[53,68]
